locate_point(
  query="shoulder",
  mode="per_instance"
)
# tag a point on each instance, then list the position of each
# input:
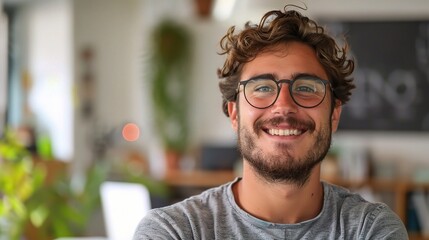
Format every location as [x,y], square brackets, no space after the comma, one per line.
[370,220]
[351,203]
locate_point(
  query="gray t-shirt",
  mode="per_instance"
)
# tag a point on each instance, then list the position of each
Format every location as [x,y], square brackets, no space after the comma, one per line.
[214,214]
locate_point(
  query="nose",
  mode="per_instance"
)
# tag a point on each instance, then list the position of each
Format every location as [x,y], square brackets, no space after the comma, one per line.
[284,103]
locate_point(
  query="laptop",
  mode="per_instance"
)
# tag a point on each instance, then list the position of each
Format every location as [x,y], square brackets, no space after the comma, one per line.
[124,205]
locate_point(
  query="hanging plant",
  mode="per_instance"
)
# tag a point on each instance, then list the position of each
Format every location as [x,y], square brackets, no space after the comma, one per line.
[170,84]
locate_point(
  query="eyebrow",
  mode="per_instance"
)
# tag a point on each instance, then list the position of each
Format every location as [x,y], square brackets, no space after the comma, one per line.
[294,76]
[305,75]
[263,76]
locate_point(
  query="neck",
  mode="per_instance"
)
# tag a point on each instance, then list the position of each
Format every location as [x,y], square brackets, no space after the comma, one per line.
[279,202]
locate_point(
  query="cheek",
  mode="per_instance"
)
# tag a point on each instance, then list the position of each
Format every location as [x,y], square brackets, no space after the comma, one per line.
[243,115]
[321,117]
[247,115]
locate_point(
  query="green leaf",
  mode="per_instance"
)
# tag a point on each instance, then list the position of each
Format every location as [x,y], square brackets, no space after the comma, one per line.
[17,206]
[39,215]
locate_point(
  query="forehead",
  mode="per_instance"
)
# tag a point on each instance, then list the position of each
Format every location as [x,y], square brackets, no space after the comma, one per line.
[284,61]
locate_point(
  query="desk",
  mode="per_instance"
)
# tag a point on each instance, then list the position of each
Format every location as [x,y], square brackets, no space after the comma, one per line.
[198,178]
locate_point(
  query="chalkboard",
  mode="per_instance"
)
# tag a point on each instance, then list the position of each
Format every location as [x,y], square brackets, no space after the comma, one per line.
[391,76]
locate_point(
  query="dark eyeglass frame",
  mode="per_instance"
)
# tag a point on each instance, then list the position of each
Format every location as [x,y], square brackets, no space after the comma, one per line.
[290,83]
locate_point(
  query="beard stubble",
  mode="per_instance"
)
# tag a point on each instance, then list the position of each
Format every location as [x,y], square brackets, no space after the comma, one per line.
[283,166]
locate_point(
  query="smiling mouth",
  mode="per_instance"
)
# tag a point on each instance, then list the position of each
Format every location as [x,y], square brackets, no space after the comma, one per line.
[284,126]
[284,132]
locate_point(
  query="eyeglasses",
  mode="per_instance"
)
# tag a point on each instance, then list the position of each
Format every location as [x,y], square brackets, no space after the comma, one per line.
[262,91]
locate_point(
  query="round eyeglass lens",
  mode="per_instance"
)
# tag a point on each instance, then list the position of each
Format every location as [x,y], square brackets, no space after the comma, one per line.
[261,93]
[308,92]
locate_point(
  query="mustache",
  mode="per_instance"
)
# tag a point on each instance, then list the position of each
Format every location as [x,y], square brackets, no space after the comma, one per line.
[292,121]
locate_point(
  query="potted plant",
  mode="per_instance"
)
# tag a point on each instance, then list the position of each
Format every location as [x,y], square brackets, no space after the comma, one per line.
[36,197]
[170,68]
[19,180]
[59,210]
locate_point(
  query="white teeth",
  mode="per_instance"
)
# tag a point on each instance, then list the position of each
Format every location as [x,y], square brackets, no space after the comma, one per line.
[284,132]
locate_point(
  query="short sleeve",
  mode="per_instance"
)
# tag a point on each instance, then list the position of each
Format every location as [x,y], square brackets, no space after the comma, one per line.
[383,223]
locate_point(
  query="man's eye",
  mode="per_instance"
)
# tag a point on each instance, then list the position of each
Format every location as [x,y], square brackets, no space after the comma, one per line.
[263,89]
[306,89]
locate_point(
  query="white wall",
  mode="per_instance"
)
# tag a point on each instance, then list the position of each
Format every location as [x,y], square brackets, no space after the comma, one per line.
[209,124]
[50,67]
[338,9]
[41,53]
[113,31]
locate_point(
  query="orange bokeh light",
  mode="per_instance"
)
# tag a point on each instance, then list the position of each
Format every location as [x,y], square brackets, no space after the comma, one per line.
[131,132]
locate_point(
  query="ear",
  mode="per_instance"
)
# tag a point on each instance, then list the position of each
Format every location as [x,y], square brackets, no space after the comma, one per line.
[335,117]
[233,115]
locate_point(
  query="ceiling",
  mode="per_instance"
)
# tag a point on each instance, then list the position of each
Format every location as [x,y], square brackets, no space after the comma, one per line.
[335,9]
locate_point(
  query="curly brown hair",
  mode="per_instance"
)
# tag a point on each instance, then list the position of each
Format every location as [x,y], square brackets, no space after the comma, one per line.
[277,27]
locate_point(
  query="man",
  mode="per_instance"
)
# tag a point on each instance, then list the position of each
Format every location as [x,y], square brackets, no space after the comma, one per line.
[283,84]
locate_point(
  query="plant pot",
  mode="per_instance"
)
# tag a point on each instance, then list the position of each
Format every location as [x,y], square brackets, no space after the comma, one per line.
[204,7]
[172,160]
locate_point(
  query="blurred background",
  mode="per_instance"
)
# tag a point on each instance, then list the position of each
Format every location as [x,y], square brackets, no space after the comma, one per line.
[126,91]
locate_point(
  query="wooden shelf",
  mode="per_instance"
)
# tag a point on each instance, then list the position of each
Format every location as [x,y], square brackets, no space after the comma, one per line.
[415,236]
[198,178]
